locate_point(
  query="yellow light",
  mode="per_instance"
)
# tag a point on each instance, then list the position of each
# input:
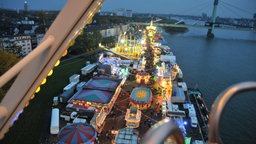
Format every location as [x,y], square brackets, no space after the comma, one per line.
[32,97]
[81,31]
[27,103]
[50,73]
[57,63]
[89,20]
[44,81]
[97,9]
[65,53]
[71,42]
[38,89]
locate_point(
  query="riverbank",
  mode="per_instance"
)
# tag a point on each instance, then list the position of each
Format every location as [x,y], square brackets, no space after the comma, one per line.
[175,30]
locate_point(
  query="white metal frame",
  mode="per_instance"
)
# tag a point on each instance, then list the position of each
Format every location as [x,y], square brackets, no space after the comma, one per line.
[219,105]
[34,68]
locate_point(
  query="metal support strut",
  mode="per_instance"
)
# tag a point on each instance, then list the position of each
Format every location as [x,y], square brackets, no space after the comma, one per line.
[161,131]
[219,105]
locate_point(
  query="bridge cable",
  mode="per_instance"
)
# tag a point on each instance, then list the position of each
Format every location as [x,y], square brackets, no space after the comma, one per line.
[194,7]
[236,7]
[229,9]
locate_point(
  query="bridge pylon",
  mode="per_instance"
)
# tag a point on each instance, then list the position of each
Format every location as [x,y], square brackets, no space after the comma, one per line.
[210,34]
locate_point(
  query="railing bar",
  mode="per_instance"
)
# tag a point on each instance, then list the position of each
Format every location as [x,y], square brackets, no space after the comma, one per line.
[7,76]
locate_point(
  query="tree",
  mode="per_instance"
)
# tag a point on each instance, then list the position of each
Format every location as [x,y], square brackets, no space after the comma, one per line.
[7,60]
[13,48]
[108,41]
[149,57]
[41,16]
[86,41]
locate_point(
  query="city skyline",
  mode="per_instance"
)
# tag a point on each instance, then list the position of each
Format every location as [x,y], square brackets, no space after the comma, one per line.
[227,8]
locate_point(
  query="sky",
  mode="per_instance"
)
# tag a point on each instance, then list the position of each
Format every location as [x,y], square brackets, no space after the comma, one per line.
[226,8]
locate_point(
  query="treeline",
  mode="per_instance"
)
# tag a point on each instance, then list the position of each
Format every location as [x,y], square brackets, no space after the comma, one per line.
[7,60]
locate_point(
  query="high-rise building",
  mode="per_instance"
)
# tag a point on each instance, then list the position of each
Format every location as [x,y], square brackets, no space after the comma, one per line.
[254,21]
[22,41]
[25,6]
[128,13]
[204,16]
[120,12]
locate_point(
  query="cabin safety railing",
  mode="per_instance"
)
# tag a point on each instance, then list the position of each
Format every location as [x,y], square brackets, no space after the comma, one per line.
[159,132]
[219,105]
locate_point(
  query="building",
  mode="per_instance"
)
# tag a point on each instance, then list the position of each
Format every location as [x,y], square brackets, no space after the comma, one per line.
[120,12]
[132,117]
[26,21]
[113,31]
[26,6]
[254,21]
[128,13]
[23,42]
[39,38]
[127,136]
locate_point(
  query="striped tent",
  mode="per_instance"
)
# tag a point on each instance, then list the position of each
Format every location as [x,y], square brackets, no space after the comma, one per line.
[77,133]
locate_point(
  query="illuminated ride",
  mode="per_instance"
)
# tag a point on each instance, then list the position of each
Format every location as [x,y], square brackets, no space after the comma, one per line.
[32,71]
[142,77]
[114,66]
[133,117]
[151,31]
[141,97]
[131,48]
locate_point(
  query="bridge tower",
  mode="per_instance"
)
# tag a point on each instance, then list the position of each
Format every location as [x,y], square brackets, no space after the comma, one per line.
[210,34]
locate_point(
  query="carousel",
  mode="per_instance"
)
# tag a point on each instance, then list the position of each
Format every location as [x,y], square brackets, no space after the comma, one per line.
[141,97]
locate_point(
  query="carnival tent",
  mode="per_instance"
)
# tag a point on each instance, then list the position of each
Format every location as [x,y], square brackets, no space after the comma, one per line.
[103,83]
[77,133]
[89,95]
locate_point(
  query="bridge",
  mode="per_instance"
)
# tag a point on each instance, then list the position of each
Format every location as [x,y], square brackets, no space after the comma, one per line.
[159,24]
[213,22]
[206,26]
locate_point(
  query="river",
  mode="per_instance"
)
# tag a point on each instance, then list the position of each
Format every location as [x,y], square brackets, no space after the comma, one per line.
[213,66]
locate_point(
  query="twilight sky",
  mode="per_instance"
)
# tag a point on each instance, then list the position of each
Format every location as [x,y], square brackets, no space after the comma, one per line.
[227,8]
